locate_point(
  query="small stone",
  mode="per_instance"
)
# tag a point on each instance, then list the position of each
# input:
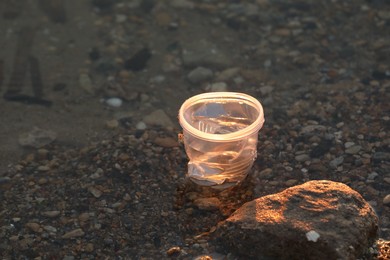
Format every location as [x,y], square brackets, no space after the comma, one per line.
[372,176]
[74,233]
[208,204]
[302,157]
[158,117]
[291,182]
[120,18]
[336,162]
[265,90]
[89,247]
[381,156]
[37,138]
[228,74]
[173,251]
[34,227]
[43,168]
[4,180]
[282,32]
[86,83]
[386,199]
[163,19]
[42,154]
[200,74]
[84,217]
[312,128]
[167,142]
[312,236]
[112,124]
[353,150]
[140,126]
[218,87]
[95,192]
[50,229]
[114,102]
[51,214]
[349,144]
[182,4]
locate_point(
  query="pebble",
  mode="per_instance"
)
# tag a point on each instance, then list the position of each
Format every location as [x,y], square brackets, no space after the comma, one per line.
[208,204]
[200,74]
[386,199]
[120,18]
[85,83]
[140,126]
[353,149]
[218,87]
[114,102]
[228,74]
[158,117]
[4,180]
[349,144]
[43,168]
[173,251]
[74,233]
[372,176]
[112,124]
[167,142]
[302,157]
[185,4]
[37,138]
[379,156]
[50,229]
[95,192]
[265,90]
[51,214]
[336,162]
[34,227]
[291,182]
[312,128]
[204,53]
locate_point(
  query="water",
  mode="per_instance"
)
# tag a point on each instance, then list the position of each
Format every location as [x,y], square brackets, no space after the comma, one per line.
[220,163]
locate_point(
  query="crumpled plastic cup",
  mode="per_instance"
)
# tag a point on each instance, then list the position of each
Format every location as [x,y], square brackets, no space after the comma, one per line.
[220,131]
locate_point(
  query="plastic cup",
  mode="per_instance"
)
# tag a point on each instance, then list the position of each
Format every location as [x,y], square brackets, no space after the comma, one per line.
[220,131]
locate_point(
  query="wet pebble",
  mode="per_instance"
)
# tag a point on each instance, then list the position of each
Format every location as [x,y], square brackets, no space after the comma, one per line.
[37,138]
[112,124]
[34,227]
[200,74]
[353,149]
[95,192]
[336,162]
[114,102]
[302,157]
[74,233]
[158,117]
[218,87]
[140,126]
[51,214]
[386,199]
[175,250]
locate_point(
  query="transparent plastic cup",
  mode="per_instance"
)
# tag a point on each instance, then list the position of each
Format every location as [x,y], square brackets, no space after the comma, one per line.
[220,132]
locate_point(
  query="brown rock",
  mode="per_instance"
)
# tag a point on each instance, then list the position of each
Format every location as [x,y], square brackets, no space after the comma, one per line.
[315,220]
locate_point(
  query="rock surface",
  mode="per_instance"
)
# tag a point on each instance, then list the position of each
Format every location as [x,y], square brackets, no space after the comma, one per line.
[315,220]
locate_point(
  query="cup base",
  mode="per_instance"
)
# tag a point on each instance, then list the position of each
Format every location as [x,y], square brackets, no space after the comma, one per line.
[214,185]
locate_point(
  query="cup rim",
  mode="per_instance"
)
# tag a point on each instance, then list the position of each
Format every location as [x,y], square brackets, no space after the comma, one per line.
[240,134]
